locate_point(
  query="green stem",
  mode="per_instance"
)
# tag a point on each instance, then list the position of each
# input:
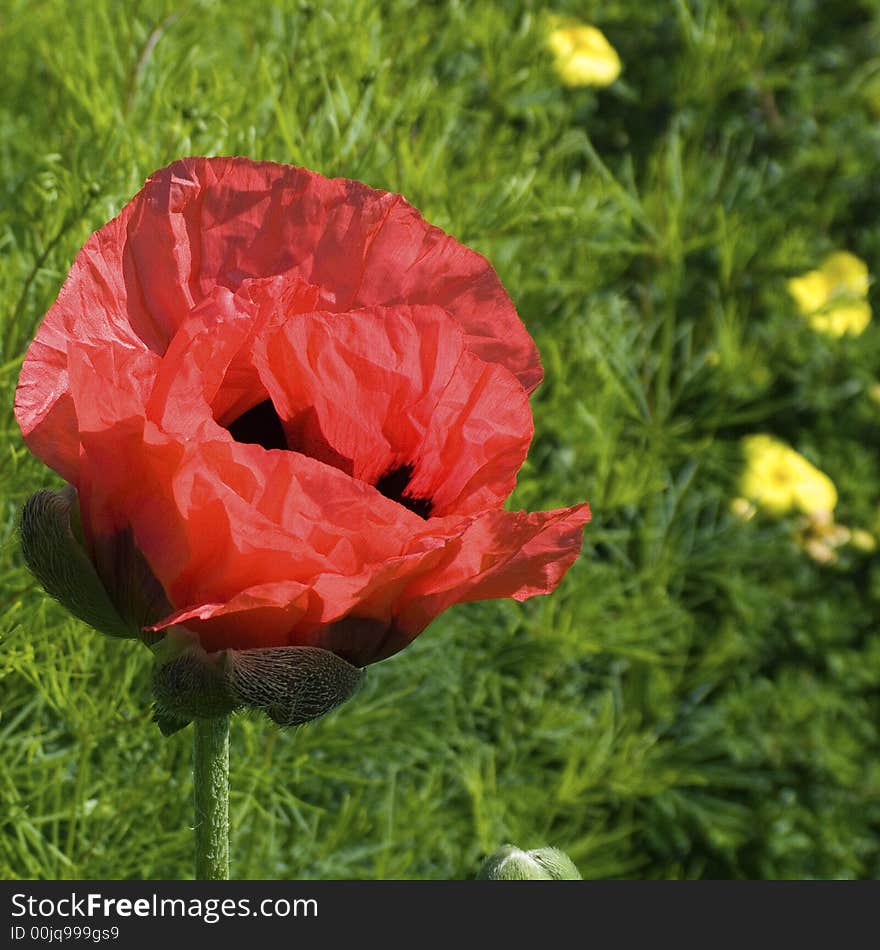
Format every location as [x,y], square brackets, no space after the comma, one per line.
[211,796]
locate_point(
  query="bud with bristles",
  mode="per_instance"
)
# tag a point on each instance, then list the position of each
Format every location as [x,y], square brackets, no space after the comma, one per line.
[53,550]
[509,863]
[292,685]
[113,590]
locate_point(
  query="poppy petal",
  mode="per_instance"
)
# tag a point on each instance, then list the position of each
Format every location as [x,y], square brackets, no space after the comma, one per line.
[373,392]
[218,221]
[500,554]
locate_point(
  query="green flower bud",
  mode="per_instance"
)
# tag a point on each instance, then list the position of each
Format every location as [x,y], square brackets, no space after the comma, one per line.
[53,549]
[509,863]
[292,685]
[112,590]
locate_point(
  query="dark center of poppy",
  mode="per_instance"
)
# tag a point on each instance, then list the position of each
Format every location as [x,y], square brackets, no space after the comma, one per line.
[393,485]
[263,426]
[259,426]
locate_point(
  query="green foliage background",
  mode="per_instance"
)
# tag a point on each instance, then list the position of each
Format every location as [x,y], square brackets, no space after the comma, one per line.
[698,699]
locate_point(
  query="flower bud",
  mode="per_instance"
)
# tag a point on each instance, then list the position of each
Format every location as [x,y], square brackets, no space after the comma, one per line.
[53,549]
[508,863]
[292,685]
[114,591]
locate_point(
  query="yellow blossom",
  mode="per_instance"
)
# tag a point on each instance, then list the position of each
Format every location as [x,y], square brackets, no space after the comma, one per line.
[820,551]
[833,297]
[583,56]
[842,318]
[779,479]
[863,540]
[744,509]
[821,536]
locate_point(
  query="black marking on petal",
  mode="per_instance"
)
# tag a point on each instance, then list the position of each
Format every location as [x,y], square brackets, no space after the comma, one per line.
[393,485]
[259,426]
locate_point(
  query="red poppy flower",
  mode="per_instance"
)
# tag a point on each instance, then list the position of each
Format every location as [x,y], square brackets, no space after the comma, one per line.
[304,404]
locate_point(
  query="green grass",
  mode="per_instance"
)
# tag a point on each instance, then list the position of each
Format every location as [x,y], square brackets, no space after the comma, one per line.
[699,698]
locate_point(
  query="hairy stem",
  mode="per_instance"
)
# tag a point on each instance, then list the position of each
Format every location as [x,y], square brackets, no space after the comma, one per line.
[211,797]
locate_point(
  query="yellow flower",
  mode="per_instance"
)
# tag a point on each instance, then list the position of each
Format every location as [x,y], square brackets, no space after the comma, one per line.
[863,540]
[843,318]
[779,479]
[821,536]
[583,56]
[744,509]
[820,551]
[833,297]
